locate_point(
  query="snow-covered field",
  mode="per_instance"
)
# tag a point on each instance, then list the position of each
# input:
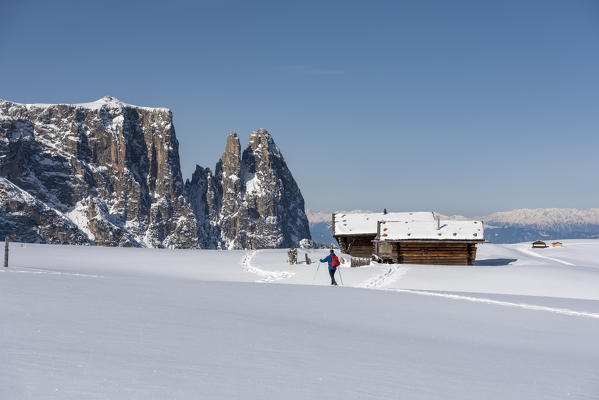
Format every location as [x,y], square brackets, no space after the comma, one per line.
[121,323]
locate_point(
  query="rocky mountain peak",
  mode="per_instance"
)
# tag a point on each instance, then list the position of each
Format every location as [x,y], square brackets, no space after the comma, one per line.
[232,149]
[257,203]
[109,99]
[262,142]
[260,137]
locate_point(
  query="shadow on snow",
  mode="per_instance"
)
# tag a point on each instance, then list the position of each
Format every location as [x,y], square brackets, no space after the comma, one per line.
[494,262]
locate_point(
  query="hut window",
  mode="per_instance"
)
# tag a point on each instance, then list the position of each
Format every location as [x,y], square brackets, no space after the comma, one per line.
[474,234]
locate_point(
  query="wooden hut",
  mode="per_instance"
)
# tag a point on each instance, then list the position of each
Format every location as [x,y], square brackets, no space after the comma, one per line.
[539,244]
[432,241]
[557,244]
[356,233]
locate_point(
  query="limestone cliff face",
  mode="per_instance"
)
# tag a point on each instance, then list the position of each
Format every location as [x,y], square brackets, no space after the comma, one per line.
[110,169]
[230,188]
[204,201]
[108,173]
[257,203]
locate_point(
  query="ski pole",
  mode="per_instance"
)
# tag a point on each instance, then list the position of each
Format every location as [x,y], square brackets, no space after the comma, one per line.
[317,268]
[340,277]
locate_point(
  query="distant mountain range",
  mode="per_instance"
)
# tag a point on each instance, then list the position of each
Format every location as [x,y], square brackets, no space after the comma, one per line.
[514,226]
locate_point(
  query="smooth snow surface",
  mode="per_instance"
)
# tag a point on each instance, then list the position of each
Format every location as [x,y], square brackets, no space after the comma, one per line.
[365,223]
[123,323]
[428,230]
[407,226]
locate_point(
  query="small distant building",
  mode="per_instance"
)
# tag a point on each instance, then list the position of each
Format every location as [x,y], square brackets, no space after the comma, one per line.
[539,244]
[557,244]
[408,238]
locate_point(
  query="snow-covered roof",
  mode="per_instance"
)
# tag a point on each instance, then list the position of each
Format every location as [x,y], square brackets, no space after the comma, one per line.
[427,230]
[366,223]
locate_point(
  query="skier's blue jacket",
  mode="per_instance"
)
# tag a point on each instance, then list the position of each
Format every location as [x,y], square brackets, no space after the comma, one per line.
[329,259]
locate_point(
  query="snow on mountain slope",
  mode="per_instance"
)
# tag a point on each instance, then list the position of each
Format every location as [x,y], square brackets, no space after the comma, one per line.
[543,223]
[93,322]
[104,102]
[554,218]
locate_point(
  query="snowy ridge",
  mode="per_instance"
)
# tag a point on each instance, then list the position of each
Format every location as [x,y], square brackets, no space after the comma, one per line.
[104,102]
[546,217]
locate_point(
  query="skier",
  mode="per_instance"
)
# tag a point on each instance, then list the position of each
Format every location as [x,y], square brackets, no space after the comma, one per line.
[333,262]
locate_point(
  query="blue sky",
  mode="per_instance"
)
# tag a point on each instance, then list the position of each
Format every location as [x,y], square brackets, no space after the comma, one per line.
[462,107]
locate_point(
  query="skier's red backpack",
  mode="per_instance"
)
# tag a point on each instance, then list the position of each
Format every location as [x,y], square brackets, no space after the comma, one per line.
[334,261]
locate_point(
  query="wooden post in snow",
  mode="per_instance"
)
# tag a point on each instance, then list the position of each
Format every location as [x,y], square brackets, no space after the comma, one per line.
[6,240]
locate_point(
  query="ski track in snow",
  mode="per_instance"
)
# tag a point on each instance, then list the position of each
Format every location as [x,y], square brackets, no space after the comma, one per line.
[563,311]
[29,270]
[395,272]
[532,253]
[268,276]
[392,274]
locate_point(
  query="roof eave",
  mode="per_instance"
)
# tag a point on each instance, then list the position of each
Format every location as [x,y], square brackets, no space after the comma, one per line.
[433,240]
[354,234]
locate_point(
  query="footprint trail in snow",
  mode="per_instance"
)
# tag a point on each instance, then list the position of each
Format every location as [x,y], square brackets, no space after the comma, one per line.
[392,274]
[267,276]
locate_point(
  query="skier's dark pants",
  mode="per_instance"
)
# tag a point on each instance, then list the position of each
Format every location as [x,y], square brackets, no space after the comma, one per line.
[332,273]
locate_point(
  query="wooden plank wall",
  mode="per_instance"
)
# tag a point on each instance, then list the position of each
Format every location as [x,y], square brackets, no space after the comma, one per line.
[471,253]
[442,253]
[439,253]
[357,246]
